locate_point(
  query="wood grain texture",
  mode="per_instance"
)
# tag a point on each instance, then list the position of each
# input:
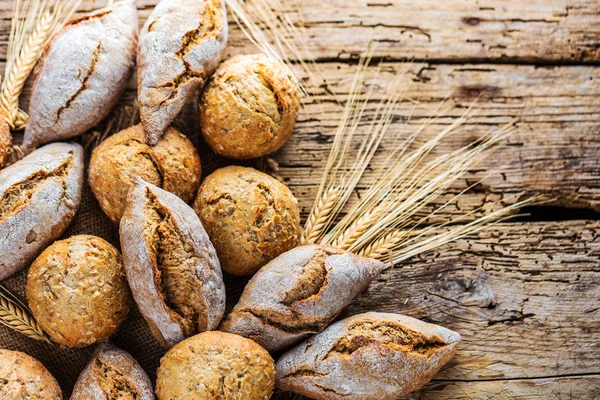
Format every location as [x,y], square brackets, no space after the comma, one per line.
[512,30]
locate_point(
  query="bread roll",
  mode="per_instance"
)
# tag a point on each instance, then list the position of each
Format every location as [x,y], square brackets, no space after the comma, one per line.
[249,107]
[216,365]
[77,290]
[39,196]
[250,217]
[172,164]
[5,142]
[371,356]
[82,73]
[22,377]
[298,294]
[112,374]
[181,44]
[172,267]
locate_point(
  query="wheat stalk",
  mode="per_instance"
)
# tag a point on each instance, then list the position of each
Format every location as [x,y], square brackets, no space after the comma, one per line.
[32,27]
[15,315]
[317,220]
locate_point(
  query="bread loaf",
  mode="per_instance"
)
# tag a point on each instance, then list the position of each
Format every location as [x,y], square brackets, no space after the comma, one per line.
[5,142]
[298,294]
[249,107]
[171,265]
[82,73]
[39,196]
[181,44]
[371,356]
[172,164]
[112,374]
[250,217]
[22,377]
[216,365]
[77,290]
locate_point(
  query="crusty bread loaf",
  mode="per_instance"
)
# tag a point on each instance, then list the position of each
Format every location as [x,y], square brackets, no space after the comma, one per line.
[172,164]
[371,356]
[250,217]
[39,196]
[181,44]
[5,142]
[112,374]
[249,107]
[171,265]
[22,377]
[298,294]
[77,290]
[82,73]
[216,365]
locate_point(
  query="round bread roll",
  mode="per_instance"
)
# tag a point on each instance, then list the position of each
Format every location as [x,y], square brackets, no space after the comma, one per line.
[22,377]
[5,142]
[216,365]
[77,290]
[251,218]
[249,107]
[172,164]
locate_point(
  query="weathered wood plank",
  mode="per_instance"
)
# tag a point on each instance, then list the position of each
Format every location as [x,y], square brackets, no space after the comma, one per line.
[555,152]
[511,30]
[577,387]
[524,296]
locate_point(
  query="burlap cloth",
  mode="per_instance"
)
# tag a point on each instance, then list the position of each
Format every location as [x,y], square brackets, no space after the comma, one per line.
[134,336]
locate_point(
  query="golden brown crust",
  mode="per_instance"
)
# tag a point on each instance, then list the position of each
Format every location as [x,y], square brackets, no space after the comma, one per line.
[249,107]
[22,377]
[172,164]
[250,217]
[216,365]
[5,142]
[77,290]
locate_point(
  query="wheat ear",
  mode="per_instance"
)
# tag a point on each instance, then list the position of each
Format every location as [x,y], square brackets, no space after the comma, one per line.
[32,28]
[15,315]
[318,218]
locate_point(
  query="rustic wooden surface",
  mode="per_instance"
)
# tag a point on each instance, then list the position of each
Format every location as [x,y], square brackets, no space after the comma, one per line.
[525,295]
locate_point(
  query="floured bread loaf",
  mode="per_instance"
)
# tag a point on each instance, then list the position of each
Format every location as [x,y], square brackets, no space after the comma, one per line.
[82,73]
[39,196]
[181,44]
[112,374]
[171,265]
[298,294]
[371,356]
[22,377]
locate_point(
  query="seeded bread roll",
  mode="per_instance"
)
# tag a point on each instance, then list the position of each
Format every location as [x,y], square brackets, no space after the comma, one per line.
[82,73]
[172,164]
[39,196]
[298,294]
[112,374]
[181,45]
[77,290]
[216,365]
[22,377]
[251,218]
[5,142]
[171,265]
[371,356]
[249,107]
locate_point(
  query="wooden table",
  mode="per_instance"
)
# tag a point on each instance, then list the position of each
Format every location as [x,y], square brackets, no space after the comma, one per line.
[525,295]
